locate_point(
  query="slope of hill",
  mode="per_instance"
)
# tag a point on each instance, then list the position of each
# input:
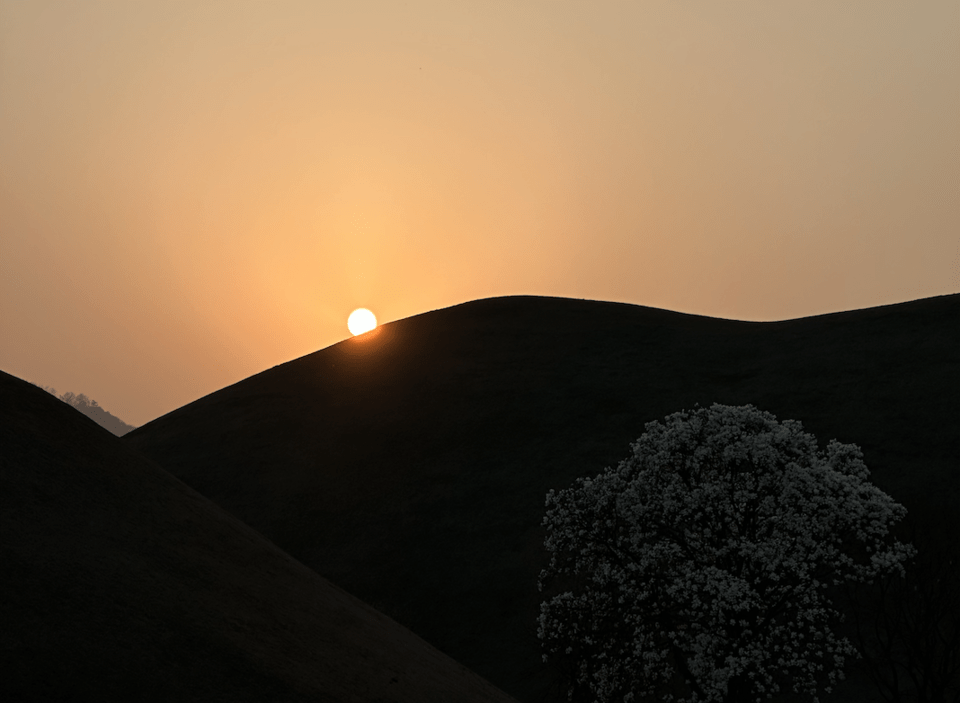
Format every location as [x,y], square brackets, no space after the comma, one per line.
[409,465]
[122,584]
[92,409]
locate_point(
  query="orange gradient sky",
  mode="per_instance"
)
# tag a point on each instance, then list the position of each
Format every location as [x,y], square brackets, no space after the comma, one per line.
[191,193]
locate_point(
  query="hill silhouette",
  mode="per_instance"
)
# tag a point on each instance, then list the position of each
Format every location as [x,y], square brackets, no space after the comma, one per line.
[120,583]
[92,409]
[409,465]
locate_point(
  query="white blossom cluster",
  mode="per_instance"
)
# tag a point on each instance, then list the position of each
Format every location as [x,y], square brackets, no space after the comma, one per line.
[698,569]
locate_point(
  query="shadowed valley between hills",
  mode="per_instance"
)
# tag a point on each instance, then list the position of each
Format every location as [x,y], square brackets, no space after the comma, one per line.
[120,583]
[409,465]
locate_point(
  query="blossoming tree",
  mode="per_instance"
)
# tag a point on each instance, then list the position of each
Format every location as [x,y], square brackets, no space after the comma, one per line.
[702,568]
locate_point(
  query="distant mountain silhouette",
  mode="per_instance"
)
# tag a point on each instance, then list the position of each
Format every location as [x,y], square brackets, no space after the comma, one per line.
[120,583]
[92,409]
[410,465]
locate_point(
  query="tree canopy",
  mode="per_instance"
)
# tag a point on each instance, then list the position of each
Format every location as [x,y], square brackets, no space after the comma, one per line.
[702,567]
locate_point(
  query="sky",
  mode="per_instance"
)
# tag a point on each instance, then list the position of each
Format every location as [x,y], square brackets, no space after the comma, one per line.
[191,193]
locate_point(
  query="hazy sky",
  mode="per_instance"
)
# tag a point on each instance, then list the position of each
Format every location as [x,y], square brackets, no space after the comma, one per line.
[192,192]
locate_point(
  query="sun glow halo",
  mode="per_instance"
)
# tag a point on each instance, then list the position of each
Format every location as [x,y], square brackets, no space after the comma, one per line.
[361,320]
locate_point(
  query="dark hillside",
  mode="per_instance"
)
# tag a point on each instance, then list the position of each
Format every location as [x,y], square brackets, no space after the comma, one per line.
[120,583]
[409,465]
[92,409]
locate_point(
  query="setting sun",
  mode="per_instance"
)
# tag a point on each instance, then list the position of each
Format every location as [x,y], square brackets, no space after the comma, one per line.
[361,320]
